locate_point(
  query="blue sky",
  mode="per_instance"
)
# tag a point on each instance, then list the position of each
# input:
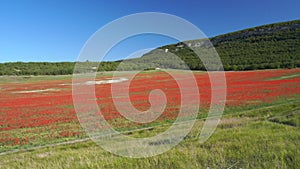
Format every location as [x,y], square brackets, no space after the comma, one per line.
[55,30]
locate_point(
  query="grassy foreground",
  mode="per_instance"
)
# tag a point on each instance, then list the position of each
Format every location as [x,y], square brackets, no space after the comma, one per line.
[266,137]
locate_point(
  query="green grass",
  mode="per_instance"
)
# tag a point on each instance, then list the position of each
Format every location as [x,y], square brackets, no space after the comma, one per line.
[285,77]
[255,144]
[291,118]
[29,79]
[265,137]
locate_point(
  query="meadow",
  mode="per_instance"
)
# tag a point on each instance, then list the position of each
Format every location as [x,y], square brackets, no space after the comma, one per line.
[259,128]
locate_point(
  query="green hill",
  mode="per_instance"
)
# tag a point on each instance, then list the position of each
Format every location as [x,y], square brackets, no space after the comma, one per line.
[264,47]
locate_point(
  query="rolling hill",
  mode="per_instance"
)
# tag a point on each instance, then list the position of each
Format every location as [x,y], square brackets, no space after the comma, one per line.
[264,47]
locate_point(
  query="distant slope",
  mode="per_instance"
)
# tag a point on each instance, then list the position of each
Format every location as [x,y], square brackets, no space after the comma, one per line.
[264,47]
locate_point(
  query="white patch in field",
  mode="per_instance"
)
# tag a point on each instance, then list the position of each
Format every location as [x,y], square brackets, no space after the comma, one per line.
[108,81]
[122,79]
[36,91]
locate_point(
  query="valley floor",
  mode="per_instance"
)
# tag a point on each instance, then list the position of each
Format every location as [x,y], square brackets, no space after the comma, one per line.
[260,127]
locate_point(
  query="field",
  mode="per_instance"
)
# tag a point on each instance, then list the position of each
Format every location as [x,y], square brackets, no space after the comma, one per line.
[259,127]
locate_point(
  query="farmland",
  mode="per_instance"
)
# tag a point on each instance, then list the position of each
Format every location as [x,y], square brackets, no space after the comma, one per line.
[260,121]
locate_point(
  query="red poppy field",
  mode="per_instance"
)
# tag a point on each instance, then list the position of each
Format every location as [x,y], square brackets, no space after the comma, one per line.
[39,110]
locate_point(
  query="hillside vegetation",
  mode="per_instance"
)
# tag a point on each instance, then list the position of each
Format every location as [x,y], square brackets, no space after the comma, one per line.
[265,47]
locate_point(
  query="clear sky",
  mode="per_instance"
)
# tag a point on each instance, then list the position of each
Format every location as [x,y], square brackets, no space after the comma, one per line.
[56,30]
